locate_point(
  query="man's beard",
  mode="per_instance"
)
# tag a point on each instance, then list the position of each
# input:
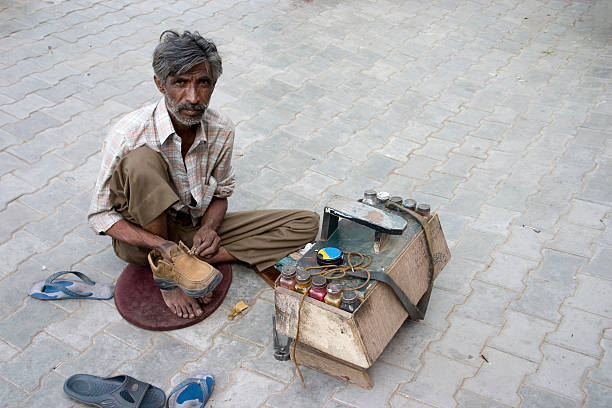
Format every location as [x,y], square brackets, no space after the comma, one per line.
[176,111]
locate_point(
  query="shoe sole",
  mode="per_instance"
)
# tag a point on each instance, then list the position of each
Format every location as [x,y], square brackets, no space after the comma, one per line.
[166,284]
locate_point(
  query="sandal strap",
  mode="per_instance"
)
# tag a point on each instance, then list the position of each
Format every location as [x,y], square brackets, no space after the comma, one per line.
[131,388]
[78,274]
[179,387]
[50,282]
[67,291]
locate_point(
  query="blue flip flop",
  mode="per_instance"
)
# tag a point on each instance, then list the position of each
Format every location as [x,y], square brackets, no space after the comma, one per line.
[54,289]
[191,393]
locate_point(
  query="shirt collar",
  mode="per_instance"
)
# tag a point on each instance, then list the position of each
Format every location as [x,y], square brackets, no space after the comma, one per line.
[165,128]
[163,123]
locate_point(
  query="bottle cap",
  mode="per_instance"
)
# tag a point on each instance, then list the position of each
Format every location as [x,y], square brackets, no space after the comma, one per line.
[396,200]
[349,296]
[382,196]
[369,197]
[334,288]
[423,209]
[302,276]
[410,204]
[319,281]
[288,271]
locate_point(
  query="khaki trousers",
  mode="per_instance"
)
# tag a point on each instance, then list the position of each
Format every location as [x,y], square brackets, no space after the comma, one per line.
[141,190]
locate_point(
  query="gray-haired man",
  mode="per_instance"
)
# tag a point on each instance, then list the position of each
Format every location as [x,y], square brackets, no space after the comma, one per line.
[166,175]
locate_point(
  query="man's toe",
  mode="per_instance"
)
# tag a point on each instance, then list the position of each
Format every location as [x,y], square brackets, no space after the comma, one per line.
[195,309]
[184,312]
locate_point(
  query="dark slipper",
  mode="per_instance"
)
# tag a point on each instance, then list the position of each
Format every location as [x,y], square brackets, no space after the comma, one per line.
[191,393]
[54,289]
[121,391]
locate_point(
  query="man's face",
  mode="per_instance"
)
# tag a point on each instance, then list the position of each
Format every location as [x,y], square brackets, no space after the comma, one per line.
[188,94]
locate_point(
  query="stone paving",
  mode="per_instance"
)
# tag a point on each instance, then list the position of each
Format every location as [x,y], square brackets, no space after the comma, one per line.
[496,112]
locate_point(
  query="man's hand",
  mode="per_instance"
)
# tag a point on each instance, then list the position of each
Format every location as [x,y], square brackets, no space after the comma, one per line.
[206,242]
[164,249]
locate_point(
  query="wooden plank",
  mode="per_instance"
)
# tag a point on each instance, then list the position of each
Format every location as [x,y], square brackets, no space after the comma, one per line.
[441,253]
[378,318]
[330,365]
[322,326]
[269,275]
[410,269]
[382,314]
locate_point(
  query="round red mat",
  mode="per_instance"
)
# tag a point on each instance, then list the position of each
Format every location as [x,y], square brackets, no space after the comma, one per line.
[140,302]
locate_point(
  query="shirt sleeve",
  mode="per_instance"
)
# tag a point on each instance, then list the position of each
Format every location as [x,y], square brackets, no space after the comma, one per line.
[101,215]
[223,171]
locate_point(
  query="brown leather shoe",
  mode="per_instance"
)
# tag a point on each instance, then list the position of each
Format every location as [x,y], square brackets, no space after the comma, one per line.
[196,277]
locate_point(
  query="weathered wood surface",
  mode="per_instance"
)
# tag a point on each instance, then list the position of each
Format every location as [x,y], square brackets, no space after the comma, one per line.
[322,326]
[382,314]
[410,269]
[269,275]
[327,364]
[377,320]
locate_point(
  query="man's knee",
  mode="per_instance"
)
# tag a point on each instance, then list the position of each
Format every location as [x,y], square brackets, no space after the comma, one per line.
[143,162]
[140,187]
[310,221]
[313,219]
[138,173]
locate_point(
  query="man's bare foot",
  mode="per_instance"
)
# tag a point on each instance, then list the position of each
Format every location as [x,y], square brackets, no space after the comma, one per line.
[206,299]
[180,304]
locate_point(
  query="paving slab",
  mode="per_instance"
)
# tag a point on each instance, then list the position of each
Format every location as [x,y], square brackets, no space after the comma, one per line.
[159,363]
[500,378]
[387,377]
[591,295]
[408,345]
[464,340]
[319,388]
[457,275]
[42,355]
[220,360]
[266,364]
[598,395]
[486,303]
[247,390]
[536,397]
[562,371]
[19,328]
[434,385]
[580,331]
[89,319]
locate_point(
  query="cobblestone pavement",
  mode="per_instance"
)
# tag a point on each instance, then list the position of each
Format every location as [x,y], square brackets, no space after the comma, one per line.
[497,112]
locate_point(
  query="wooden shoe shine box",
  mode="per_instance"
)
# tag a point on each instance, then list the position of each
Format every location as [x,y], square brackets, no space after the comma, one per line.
[345,344]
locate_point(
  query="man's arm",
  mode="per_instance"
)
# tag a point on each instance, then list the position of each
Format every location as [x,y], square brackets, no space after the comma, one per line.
[206,241]
[134,235]
[103,218]
[101,215]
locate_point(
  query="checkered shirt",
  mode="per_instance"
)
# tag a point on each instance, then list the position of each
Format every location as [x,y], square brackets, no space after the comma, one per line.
[205,173]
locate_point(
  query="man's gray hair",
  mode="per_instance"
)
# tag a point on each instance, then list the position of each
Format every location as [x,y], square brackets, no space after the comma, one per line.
[178,53]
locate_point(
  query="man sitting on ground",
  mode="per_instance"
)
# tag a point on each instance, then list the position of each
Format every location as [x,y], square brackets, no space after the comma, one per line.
[166,176]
